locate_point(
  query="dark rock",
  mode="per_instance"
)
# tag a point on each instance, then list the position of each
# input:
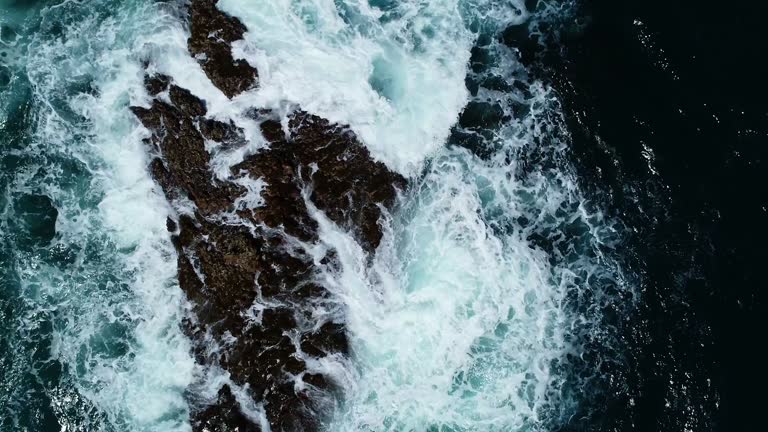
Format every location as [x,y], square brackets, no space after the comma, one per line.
[329,338]
[211,35]
[223,416]
[315,380]
[272,131]
[520,38]
[481,115]
[5,76]
[156,84]
[170,225]
[345,182]
[185,161]
[251,290]
[186,102]
[227,134]
[163,177]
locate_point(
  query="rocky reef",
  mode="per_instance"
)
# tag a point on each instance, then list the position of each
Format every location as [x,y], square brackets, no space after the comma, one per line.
[211,35]
[253,287]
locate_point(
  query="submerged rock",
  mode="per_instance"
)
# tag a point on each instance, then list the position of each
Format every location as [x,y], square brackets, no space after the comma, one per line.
[5,76]
[36,219]
[156,84]
[252,289]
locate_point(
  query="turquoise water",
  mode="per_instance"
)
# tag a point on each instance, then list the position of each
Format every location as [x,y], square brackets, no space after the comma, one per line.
[472,316]
[87,276]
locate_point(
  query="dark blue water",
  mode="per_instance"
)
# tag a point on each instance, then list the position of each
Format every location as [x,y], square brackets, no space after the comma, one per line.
[666,102]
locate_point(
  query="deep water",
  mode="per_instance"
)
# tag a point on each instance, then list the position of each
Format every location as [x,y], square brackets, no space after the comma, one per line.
[666,105]
[581,247]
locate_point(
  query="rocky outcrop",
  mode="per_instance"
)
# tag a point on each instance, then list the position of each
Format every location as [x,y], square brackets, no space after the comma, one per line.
[211,35]
[224,415]
[344,181]
[254,290]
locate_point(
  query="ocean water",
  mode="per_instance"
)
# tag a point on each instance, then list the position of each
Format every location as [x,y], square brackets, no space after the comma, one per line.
[91,307]
[667,111]
[514,289]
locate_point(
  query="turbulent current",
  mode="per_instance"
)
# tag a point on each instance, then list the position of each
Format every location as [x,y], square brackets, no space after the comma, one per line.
[492,303]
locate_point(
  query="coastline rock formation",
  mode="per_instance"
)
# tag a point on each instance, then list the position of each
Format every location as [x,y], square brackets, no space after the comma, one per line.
[253,289]
[211,35]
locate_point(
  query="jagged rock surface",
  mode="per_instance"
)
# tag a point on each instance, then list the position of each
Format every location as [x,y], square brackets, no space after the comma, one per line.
[346,183]
[211,35]
[251,288]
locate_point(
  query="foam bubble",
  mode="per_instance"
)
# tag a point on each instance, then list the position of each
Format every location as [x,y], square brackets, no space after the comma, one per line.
[454,327]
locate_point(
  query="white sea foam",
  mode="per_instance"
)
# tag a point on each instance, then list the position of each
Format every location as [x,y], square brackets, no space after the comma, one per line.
[460,323]
[118,306]
[454,326]
[393,72]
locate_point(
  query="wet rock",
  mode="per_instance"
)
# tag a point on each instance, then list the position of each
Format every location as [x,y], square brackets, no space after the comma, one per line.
[481,115]
[272,130]
[251,288]
[8,33]
[223,416]
[345,182]
[183,100]
[329,338]
[315,380]
[5,76]
[224,133]
[526,43]
[211,34]
[170,225]
[184,168]
[156,84]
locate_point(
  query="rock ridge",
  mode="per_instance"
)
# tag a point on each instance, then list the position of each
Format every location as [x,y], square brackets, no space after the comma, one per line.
[255,295]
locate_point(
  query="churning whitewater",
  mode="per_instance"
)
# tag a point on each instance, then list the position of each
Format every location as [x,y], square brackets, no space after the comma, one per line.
[481,309]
